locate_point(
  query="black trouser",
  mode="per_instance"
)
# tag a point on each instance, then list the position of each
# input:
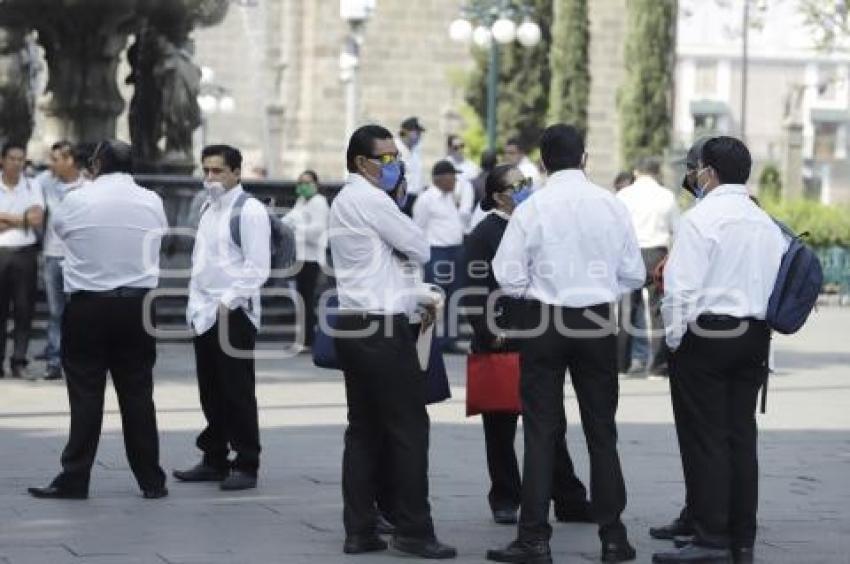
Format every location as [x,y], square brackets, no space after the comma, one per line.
[103,334]
[591,360]
[715,383]
[228,398]
[505,491]
[18,279]
[305,285]
[387,420]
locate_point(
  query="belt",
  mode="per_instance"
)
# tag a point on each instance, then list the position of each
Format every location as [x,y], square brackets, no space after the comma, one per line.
[21,249]
[123,292]
[712,317]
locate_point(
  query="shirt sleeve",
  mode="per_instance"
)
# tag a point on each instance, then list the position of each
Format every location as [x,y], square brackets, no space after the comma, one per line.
[511,265]
[255,226]
[673,217]
[684,275]
[316,225]
[631,272]
[467,201]
[397,230]
[421,211]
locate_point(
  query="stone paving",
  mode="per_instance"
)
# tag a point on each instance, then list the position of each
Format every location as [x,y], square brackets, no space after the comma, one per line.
[295,514]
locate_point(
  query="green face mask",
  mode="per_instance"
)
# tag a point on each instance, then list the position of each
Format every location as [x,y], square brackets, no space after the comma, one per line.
[306,190]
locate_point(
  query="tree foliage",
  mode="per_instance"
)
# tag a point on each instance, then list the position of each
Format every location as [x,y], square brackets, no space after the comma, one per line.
[645,98]
[568,62]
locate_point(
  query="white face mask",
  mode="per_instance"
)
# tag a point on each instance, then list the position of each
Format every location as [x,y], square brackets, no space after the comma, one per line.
[215,190]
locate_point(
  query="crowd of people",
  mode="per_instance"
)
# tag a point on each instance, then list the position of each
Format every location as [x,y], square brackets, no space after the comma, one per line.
[542,263]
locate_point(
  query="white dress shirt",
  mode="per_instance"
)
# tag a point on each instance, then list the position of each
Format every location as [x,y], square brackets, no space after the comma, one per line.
[366,228]
[309,220]
[445,216]
[112,230]
[412,166]
[54,190]
[724,261]
[530,170]
[570,245]
[468,169]
[222,273]
[16,201]
[654,211]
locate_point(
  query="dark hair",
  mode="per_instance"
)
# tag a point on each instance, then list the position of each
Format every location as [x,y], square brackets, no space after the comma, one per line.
[517,143]
[231,155]
[489,159]
[362,143]
[495,183]
[84,151]
[64,146]
[114,156]
[312,174]
[624,178]
[9,145]
[450,140]
[649,165]
[561,147]
[730,158]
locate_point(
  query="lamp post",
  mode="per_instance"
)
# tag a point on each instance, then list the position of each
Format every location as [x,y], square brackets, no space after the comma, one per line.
[356,13]
[212,99]
[489,24]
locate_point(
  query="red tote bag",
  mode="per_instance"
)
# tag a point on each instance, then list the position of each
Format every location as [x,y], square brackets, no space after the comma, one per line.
[492,384]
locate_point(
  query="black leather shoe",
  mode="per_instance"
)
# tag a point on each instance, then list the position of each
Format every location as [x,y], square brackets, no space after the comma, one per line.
[573,513]
[677,528]
[431,549]
[505,516]
[52,492]
[383,526]
[200,473]
[682,542]
[743,555]
[617,551]
[155,493]
[693,554]
[523,552]
[239,480]
[361,544]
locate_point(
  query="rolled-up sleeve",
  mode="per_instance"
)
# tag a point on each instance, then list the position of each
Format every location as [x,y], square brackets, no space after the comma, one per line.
[511,264]
[399,231]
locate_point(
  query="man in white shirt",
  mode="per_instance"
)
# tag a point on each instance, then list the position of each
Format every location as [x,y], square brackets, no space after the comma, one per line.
[717,283]
[443,213]
[517,155]
[655,215]
[63,177]
[385,386]
[224,312]
[21,212]
[112,230]
[409,145]
[570,250]
[309,221]
[467,169]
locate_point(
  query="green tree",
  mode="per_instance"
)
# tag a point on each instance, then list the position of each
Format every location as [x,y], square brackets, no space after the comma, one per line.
[524,77]
[644,100]
[568,60]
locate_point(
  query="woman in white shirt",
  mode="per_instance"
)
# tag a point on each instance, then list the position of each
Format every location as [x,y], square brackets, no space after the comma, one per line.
[309,220]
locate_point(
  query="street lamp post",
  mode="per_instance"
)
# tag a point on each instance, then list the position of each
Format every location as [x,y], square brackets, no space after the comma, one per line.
[355,13]
[489,24]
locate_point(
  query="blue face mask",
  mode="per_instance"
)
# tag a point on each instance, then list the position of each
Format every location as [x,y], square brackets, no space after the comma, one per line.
[521,196]
[390,176]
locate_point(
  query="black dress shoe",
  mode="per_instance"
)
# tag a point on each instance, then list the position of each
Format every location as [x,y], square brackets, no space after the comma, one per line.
[677,528]
[201,473]
[361,544]
[239,480]
[52,492]
[694,554]
[505,516]
[383,526]
[572,513]
[682,542]
[523,552]
[431,549]
[743,555]
[617,551]
[155,493]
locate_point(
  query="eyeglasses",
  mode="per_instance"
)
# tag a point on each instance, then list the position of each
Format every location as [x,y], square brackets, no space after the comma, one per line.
[520,185]
[384,159]
[458,147]
[95,155]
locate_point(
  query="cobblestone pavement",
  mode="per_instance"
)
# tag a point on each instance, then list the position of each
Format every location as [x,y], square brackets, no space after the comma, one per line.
[295,514]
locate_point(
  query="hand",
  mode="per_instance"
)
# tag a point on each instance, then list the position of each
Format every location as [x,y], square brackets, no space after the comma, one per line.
[658,274]
[499,342]
[429,315]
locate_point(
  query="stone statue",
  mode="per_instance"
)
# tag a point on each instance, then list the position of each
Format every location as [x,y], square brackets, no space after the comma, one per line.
[178,79]
[145,116]
[17,96]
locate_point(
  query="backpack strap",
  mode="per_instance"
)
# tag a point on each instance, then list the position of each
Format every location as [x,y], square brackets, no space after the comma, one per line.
[236,217]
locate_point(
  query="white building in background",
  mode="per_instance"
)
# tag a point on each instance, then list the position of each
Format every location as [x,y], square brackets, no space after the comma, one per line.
[783,62]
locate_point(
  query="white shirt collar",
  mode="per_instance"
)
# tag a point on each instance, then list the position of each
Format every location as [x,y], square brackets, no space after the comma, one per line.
[728,189]
[568,175]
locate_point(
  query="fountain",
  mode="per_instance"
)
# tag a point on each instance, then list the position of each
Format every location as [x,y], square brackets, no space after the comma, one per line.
[83,41]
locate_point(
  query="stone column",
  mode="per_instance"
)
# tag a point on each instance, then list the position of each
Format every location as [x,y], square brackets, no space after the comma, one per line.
[792,174]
